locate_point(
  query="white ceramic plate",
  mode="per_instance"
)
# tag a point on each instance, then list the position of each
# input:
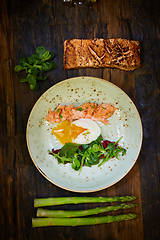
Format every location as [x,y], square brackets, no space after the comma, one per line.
[124,122]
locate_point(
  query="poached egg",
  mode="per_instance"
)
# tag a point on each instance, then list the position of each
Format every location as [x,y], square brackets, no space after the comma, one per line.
[91,133]
[81,131]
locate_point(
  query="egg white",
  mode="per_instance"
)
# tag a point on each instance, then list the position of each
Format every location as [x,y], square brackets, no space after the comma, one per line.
[92,133]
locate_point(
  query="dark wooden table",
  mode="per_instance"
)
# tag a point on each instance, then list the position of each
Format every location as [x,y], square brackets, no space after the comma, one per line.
[24,25]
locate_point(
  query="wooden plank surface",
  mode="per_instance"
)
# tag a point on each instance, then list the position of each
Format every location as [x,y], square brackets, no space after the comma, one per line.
[25,25]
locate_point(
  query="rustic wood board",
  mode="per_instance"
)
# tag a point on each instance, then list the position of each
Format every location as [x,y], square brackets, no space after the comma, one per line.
[24,25]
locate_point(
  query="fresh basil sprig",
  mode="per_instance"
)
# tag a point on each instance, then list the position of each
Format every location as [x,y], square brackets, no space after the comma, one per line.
[36,66]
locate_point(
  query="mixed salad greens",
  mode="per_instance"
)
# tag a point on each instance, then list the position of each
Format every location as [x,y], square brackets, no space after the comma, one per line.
[97,152]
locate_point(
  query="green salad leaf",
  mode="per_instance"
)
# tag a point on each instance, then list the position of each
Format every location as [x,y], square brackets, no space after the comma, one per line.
[35,66]
[69,149]
[96,152]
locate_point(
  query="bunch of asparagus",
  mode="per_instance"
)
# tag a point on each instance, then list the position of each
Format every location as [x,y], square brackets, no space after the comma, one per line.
[48,217]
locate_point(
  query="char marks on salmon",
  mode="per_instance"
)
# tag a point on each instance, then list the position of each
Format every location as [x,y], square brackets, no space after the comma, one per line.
[115,53]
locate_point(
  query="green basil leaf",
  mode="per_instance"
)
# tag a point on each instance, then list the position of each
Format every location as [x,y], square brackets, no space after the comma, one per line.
[47,66]
[69,149]
[32,81]
[18,68]
[76,163]
[35,66]
[24,63]
[92,160]
[85,146]
[33,86]
[31,60]
[40,51]
[43,54]
[96,148]
[124,152]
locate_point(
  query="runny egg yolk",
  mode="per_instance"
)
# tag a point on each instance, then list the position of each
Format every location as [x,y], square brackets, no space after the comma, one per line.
[66,131]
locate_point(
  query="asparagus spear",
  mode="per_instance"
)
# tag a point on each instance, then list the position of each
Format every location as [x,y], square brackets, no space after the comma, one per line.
[62,213]
[41,202]
[42,222]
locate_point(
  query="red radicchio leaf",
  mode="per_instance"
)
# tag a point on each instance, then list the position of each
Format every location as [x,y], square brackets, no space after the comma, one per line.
[56,151]
[105,143]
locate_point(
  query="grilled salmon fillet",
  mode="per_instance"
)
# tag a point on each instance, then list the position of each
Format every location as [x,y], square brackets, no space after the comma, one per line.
[115,53]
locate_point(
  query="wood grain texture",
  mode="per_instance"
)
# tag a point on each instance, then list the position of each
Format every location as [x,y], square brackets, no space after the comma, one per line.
[24,25]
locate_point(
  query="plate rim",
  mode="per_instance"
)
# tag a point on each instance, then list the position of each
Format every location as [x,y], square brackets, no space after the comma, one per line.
[70,189]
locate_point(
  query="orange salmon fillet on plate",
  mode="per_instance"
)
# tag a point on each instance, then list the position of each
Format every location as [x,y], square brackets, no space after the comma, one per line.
[94,111]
